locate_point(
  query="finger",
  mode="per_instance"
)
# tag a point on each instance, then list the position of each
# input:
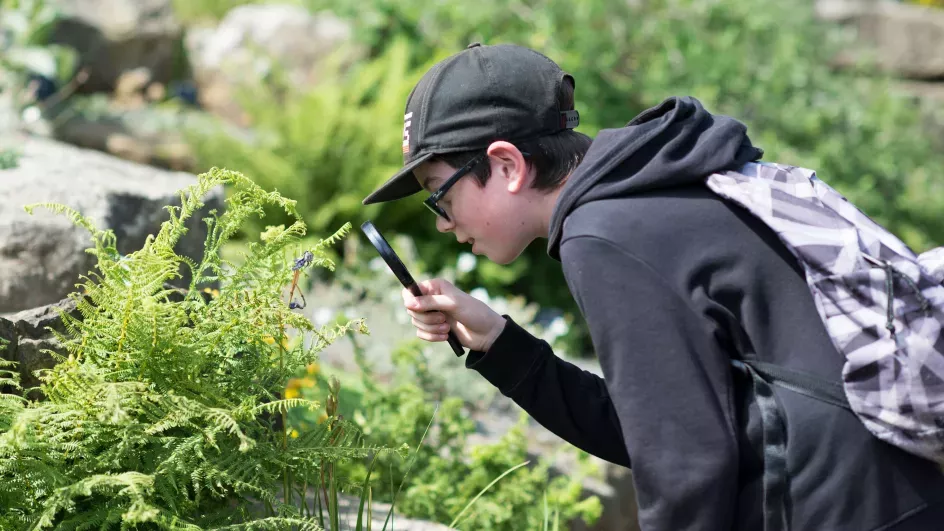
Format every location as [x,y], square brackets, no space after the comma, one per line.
[431,337]
[437,286]
[427,317]
[433,328]
[428,303]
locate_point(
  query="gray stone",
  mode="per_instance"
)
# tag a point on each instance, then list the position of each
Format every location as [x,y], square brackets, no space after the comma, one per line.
[115,36]
[905,39]
[254,41]
[31,339]
[43,255]
[147,134]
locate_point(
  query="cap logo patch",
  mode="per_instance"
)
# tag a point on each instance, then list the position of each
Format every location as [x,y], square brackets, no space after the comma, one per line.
[406,131]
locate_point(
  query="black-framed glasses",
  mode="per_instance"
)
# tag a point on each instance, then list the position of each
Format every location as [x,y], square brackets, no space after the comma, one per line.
[432,202]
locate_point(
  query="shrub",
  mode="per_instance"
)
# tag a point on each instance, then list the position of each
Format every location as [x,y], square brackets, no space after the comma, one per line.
[165,408]
[447,469]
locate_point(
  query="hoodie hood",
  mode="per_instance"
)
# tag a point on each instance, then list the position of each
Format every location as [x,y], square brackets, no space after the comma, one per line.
[674,143]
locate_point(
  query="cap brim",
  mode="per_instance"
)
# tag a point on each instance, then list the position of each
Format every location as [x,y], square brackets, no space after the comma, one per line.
[401,185]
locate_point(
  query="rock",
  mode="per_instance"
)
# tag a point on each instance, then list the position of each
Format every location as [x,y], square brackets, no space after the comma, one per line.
[254,41]
[143,134]
[30,336]
[114,36]
[907,39]
[43,255]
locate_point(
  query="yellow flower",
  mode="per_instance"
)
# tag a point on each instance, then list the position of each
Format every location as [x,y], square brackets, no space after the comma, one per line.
[293,434]
[313,369]
[291,392]
[213,292]
[322,418]
[269,340]
[306,382]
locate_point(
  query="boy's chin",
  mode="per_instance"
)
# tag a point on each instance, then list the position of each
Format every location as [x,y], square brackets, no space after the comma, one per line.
[504,257]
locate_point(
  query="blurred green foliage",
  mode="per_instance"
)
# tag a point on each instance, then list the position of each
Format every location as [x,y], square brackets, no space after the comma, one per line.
[25,51]
[934,3]
[441,475]
[190,11]
[765,62]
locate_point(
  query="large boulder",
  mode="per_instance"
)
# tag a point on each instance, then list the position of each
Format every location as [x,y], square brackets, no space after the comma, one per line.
[42,255]
[30,338]
[115,36]
[905,39]
[253,42]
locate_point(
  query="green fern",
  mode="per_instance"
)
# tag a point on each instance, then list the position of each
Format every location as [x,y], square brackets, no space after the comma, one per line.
[165,410]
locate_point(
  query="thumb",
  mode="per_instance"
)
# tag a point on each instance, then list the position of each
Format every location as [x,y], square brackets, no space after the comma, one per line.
[436,286]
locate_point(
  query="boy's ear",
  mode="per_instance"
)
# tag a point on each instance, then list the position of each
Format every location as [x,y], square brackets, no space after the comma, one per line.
[509,164]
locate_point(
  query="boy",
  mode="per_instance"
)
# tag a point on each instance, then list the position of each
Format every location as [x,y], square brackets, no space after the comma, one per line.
[673,282]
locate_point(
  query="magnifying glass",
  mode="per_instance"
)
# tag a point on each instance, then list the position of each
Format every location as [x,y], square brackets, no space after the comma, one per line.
[396,265]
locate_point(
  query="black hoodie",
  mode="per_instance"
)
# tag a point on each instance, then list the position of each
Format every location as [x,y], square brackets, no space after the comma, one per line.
[673,283]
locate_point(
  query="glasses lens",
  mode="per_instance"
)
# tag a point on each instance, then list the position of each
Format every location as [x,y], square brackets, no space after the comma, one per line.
[436,209]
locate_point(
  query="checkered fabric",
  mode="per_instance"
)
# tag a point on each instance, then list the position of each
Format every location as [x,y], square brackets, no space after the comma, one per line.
[882,306]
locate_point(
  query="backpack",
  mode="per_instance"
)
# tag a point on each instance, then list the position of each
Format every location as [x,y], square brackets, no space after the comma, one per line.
[882,306]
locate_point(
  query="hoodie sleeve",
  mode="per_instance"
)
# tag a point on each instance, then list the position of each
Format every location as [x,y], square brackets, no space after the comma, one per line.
[572,403]
[670,385]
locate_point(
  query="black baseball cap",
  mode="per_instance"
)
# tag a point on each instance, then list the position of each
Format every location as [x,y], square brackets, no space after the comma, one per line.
[473,98]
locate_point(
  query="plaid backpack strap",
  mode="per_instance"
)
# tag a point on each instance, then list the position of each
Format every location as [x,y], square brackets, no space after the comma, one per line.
[882,306]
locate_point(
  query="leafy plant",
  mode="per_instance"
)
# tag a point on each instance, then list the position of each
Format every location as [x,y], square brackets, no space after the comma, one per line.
[449,478]
[322,146]
[933,3]
[195,11]
[9,158]
[30,67]
[165,409]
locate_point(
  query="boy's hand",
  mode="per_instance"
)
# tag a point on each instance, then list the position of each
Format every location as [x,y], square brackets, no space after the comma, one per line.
[445,307]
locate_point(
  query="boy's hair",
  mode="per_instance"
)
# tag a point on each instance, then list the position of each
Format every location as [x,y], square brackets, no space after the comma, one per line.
[554,157]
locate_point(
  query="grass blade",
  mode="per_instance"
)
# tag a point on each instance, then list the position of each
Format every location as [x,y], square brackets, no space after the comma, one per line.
[409,468]
[483,491]
[365,493]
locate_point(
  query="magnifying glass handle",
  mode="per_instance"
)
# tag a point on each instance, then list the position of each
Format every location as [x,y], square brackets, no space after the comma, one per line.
[453,340]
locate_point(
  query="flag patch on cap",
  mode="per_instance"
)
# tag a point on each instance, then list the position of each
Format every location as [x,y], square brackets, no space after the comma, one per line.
[406,131]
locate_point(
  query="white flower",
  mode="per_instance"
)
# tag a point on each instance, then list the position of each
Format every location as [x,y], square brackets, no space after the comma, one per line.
[500,306]
[323,315]
[466,262]
[32,114]
[557,328]
[480,294]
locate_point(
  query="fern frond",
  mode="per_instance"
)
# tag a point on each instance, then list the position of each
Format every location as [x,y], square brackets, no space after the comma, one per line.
[282,406]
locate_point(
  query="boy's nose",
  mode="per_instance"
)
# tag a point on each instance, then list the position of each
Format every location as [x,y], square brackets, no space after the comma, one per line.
[444,225]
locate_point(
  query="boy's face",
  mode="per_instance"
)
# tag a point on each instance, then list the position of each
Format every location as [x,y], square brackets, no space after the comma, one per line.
[491,218]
